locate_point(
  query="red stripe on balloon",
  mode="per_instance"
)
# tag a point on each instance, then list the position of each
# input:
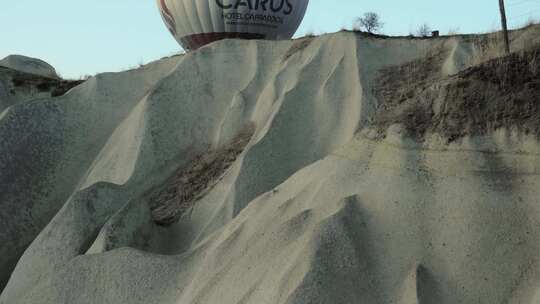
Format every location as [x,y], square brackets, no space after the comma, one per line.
[195,41]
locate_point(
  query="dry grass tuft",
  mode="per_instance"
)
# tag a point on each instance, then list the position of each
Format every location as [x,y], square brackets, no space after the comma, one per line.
[298,46]
[191,182]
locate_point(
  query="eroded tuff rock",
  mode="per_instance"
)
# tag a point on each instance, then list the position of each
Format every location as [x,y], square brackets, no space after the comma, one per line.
[339,196]
[29,65]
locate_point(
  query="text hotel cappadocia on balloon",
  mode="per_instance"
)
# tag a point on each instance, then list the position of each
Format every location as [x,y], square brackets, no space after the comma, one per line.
[252,19]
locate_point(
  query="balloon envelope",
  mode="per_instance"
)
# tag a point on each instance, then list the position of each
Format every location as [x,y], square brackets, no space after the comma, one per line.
[195,23]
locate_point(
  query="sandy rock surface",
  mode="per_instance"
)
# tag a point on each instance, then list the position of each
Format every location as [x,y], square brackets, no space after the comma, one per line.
[29,65]
[332,200]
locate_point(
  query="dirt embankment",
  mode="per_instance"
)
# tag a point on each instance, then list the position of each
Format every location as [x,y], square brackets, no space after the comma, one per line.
[28,82]
[503,92]
[192,181]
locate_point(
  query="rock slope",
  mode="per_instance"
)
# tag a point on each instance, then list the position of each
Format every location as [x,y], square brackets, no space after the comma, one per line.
[356,186]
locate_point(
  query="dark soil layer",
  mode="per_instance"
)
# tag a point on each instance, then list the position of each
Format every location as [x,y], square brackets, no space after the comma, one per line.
[192,181]
[57,87]
[504,92]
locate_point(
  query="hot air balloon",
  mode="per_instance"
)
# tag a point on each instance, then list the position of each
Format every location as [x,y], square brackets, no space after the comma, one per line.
[195,23]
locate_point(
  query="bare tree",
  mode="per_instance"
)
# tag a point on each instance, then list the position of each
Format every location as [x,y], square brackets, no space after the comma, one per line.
[370,22]
[424,30]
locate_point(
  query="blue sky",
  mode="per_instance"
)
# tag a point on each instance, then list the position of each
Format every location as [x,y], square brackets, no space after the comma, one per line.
[85,37]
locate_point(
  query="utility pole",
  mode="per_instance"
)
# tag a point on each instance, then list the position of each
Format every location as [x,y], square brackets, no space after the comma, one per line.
[504,26]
